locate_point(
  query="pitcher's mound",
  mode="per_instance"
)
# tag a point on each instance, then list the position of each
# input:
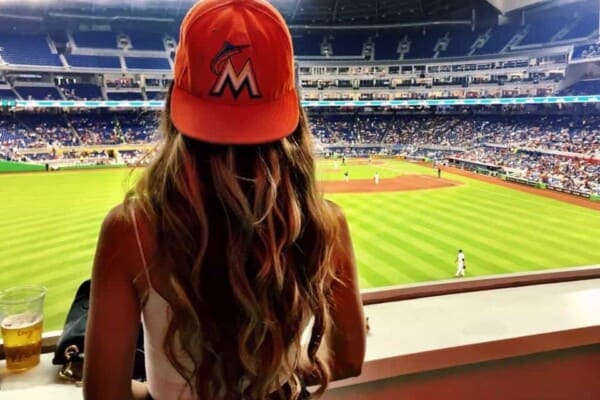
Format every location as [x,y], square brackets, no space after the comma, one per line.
[397,184]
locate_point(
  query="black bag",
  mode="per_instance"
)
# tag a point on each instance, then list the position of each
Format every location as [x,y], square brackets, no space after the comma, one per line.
[70,347]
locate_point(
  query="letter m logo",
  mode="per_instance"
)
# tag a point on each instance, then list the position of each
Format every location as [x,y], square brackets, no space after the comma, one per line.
[229,77]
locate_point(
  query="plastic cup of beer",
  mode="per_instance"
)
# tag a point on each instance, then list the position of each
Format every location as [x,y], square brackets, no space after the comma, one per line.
[21,320]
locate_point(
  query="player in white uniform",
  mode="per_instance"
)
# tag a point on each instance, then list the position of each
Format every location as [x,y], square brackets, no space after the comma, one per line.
[377,178]
[460,260]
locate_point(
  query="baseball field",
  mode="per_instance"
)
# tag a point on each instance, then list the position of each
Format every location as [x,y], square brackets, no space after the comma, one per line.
[406,229]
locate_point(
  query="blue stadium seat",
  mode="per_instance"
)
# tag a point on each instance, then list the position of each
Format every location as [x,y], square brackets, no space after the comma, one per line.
[100,40]
[156,95]
[587,87]
[39,92]
[27,50]
[543,31]
[124,96]
[349,43]
[7,94]
[584,28]
[422,45]
[87,91]
[307,44]
[146,41]
[147,63]
[499,37]
[386,45]
[460,43]
[93,61]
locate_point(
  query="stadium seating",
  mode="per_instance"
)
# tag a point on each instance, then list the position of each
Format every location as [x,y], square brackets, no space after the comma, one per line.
[146,41]
[422,43]
[499,37]
[307,43]
[460,42]
[82,91]
[585,87]
[386,45]
[96,62]
[517,143]
[584,27]
[156,95]
[95,39]
[348,43]
[586,51]
[125,96]
[38,92]
[147,63]
[7,94]
[542,31]
[27,50]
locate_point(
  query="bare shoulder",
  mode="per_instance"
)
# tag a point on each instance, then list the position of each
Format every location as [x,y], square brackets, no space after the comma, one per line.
[117,244]
[117,219]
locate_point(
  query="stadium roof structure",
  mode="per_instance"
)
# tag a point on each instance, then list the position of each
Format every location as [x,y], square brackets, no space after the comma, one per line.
[330,12]
[298,13]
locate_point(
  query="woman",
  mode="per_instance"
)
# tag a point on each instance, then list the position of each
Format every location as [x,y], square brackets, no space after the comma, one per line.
[244,276]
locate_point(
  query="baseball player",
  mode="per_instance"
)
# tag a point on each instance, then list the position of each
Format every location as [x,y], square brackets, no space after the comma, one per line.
[460,260]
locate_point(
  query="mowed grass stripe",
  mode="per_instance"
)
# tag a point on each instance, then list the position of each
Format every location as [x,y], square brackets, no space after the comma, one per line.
[41,240]
[391,260]
[37,264]
[431,255]
[418,232]
[57,220]
[481,235]
[493,252]
[529,228]
[376,270]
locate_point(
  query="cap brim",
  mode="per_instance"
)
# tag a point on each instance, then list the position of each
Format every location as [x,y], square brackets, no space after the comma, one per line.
[234,125]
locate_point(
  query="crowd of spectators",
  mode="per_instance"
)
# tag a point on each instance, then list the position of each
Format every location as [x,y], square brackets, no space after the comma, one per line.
[555,149]
[565,172]
[558,150]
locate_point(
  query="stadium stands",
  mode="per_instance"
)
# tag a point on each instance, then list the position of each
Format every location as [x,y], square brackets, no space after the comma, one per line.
[307,43]
[39,92]
[386,45]
[96,62]
[147,63]
[150,41]
[587,25]
[81,91]
[125,96]
[422,43]
[498,39]
[95,39]
[156,95]
[348,43]
[460,42]
[7,94]
[27,50]
[586,51]
[542,31]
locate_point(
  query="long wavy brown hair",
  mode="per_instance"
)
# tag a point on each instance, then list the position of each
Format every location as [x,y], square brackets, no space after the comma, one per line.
[248,243]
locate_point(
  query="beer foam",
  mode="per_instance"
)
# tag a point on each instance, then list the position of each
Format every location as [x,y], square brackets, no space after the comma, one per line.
[19,321]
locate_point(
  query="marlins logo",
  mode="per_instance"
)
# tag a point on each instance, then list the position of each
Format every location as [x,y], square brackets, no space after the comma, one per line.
[227,76]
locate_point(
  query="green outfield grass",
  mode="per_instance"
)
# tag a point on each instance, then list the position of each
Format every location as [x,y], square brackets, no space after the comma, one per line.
[50,224]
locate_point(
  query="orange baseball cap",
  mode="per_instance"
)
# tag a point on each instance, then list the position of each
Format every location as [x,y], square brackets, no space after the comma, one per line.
[234,74]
